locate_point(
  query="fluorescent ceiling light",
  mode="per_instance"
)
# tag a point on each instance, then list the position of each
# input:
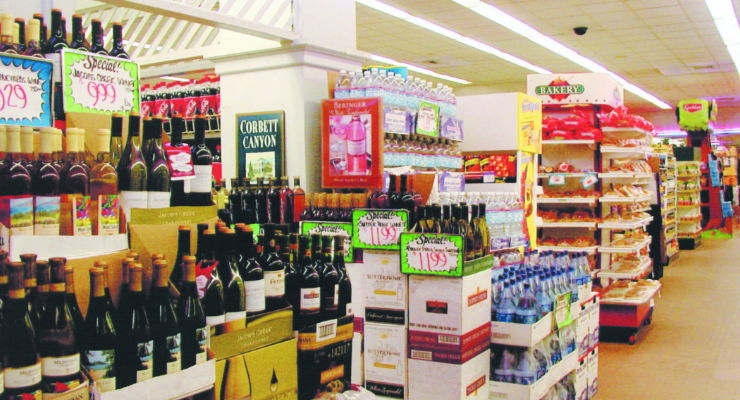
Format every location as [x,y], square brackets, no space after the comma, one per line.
[420,70]
[174,78]
[507,21]
[725,19]
[422,23]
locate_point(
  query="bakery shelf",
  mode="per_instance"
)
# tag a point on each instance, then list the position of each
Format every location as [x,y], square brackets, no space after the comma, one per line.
[543,224]
[565,174]
[573,141]
[625,224]
[643,209]
[624,249]
[589,249]
[620,199]
[567,200]
[643,151]
[642,300]
[642,271]
[626,131]
[616,175]
[689,191]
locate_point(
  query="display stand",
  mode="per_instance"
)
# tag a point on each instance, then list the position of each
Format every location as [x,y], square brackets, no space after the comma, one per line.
[689,204]
[667,211]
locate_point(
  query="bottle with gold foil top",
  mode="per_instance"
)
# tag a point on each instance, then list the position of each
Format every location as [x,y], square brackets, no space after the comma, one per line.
[164,325]
[136,345]
[6,34]
[31,285]
[98,340]
[194,331]
[45,175]
[15,178]
[22,367]
[60,356]
[74,308]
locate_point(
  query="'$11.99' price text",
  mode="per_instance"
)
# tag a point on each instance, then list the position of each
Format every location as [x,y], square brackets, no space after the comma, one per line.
[382,235]
[429,260]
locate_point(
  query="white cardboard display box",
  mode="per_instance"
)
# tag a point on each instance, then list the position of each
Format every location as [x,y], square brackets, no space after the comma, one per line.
[437,380]
[385,287]
[385,360]
[535,391]
[527,335]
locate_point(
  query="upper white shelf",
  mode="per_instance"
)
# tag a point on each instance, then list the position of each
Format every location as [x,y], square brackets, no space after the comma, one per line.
[574,141]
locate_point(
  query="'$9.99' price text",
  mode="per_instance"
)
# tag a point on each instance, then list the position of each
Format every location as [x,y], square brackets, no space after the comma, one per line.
[101,92]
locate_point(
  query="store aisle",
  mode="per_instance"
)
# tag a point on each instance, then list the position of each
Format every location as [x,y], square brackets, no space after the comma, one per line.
[691,350]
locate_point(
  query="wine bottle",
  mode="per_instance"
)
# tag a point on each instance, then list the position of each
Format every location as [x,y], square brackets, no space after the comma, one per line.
[274,270]
[163,322]
[6,34]
[213,297]
[273,202]
[406,200]
[483,227]
[22,366]
[235,201]
[200,230]
[158,185]
[42,29]
[74,308]
[33,41]
[298,200]
[31,284]
[234,291]
[15,179]
[43,280]
[309,290]
[99,335]
[117,49]
[27,149]
[116,145]
[60,357]
[446,219]
[78,34]
[345,285]
[132,169]
[103,181]
[433,223]
[249,202]
[200,187]
[57,39]
[421,221]
[394,198]
[3,274]
[136,345]
[178,196]
[194,331]
[97,42]
[261,202]
[21,42]
[108,298]
[462,227]
[288,253]
[477,234]
[251,272]
[329,282]
[286,205]
[183,249]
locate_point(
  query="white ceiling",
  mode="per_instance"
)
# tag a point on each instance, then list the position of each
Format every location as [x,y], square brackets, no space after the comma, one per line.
[670,48]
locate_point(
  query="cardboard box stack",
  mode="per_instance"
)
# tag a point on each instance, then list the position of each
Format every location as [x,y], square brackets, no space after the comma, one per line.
[449,334]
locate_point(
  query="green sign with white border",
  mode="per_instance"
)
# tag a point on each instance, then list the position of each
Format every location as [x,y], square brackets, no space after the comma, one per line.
[432,254]
[378,229]
[334,229]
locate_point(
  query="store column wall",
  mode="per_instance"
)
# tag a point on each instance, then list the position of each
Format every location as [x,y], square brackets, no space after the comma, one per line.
[291,78]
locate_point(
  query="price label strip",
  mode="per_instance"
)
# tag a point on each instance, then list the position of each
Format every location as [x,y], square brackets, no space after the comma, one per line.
[99,84]
[334,229]
[589,180]
[556,180]
[432,254]
[378,229]
[562,311]
[25,90]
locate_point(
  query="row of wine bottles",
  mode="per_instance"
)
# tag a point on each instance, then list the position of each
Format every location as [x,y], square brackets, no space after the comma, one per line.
[259,201]
[242,278]
[32,39]
[47,339]
[459,219]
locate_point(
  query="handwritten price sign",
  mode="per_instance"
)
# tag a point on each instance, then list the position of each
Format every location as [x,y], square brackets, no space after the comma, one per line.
[378,229]
[431,254]
[99,84]
[333,229]
[25,91]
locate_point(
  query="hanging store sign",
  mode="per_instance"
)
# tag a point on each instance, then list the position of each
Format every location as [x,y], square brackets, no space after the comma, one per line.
[25,90]
[260,143]
[575,88]
[94,83]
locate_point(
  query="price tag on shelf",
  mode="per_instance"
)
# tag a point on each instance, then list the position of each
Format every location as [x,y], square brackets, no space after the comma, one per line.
[431,254]
[25,90]
[489,178]
[99,84]
[333,229]
[556,180]
[589,180]
[561,311]
[378,229]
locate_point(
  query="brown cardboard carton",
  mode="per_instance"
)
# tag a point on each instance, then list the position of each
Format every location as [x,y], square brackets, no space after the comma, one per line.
[82,276]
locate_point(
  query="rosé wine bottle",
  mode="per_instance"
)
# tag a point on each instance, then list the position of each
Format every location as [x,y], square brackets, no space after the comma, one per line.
[356,147]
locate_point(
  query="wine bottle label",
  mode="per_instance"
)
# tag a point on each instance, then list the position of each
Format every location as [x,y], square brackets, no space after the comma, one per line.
[202,181]
[348,309]
[310,300]
[158,199]
[145,352]
[61,366]
[131,199]
[203,337]
[255,292]
[336,295]
[2,381]
[101,365]
[173,346]
[234,315]
[23,377]
[275,283]
[356,147]
[212,320]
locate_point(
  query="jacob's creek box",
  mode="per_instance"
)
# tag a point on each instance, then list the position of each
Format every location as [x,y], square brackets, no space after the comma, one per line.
[450,318]
[386,288]
[385,360]
[441,380]
[325,357]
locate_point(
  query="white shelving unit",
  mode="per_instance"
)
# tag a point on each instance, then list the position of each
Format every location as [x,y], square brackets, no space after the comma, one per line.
[669,202]
[688,199]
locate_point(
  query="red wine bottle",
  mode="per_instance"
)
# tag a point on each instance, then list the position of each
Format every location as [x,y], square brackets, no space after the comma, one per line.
[194,331]
[135,352]
[99,335]
[164,326]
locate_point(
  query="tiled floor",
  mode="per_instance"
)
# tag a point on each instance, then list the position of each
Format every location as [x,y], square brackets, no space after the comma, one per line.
[692,349]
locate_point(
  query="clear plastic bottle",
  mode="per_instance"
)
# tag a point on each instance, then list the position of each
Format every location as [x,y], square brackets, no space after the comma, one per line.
[506,309]
[342,85]
[506,367]
[541,293]
[526,370]
[527,310]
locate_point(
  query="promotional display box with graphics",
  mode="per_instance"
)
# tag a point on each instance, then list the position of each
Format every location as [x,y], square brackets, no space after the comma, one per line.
[385,360]
[325,357]
[386,288]
[439,380]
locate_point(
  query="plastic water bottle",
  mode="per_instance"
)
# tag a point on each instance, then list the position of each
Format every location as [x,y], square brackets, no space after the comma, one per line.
[574,279]
[506,309]
[543,297]
[506,368]
[342,86]
[527,310]
[526,371]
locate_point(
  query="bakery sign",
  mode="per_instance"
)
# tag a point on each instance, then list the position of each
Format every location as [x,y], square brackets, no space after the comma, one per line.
[575,88]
